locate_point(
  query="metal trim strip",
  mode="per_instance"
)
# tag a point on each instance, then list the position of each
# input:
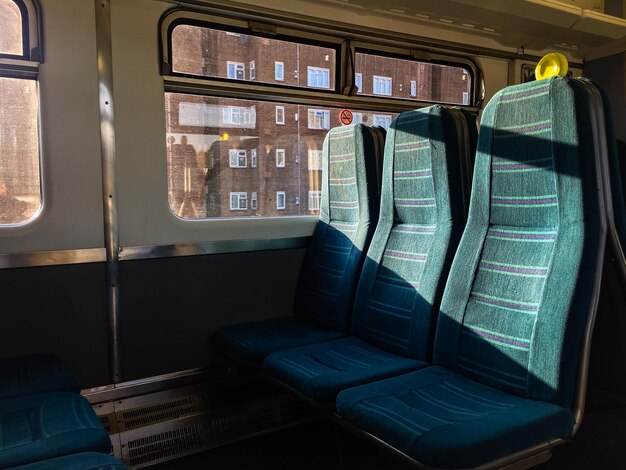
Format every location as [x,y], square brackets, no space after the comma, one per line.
[52,258]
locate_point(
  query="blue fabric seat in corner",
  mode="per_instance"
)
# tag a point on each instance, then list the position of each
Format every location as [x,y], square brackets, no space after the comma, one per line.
[325,293]
[40,373]
[45,426]
[84,461]
[402,281]
[521,291]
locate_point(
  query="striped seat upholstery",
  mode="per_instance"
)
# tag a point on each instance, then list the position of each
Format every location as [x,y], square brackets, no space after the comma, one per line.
[405,270]
[325,293]
[519,294]
[49,425]
[41,373]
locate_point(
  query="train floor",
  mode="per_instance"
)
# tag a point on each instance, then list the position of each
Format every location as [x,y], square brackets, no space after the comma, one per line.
[600,444]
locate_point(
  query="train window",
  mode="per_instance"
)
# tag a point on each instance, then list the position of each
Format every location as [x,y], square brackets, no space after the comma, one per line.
[411,79]
[20,181]
[248,105]
[214,53]
[11,34]
[222,150]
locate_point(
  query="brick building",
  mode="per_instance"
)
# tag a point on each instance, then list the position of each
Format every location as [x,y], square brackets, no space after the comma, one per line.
[259,158]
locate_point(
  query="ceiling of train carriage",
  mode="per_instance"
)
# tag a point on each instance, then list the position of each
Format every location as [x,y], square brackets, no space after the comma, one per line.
[574,26]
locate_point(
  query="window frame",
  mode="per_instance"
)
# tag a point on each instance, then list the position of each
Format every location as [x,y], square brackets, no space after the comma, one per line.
[388,82]
[325,122]
[344,41]
[282,71]
[281,108]
[253,158]
[241,196]
[324,70]
[315,195]
[25,66]
[237,155]
[252,69]
[280,163]
[235,64]
[284,195]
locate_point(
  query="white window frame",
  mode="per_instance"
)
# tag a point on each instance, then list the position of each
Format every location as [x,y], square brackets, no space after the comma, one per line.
[236,115]
[237,158]
[413,87]
[242,201]
[253,158]
[279,71]
[315,159]
[358,81]
[278,196]
[280,110]
[314,74]
[252,70]
[281,158]
[237,67]
[253,201]
[315,200]
[320,115]
[383,120]
[382,86]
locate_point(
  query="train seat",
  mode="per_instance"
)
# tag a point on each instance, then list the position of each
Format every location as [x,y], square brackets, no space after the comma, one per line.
[44,426]
[84,461]
[325,293]
[27,375]
[520,298]
[400,288]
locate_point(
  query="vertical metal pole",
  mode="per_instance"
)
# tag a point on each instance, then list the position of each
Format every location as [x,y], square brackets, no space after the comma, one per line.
[109,188]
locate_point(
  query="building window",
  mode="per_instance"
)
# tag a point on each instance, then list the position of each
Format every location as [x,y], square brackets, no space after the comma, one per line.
[315,159]
[280,158]
[319,119]
[252,70]
[382,85]
[315,199]
[253,203]
[383,120]
[237,115]
[235,70]
[280,200]
[358,81]
[465,99]
[357,118]
[253,158]
[20,178]
[279,71]
[318,77]
[413,88]
[238,201]
[280,115]
[237,158]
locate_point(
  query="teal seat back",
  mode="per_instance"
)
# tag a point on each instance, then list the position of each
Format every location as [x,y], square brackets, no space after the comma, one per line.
[520,288]
[348,215]
[421,221]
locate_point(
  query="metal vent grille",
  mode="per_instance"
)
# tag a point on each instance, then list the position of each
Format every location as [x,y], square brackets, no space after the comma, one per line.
[162,426]
[173,409]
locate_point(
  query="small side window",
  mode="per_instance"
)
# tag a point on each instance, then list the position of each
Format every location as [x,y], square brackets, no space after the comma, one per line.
[20,176]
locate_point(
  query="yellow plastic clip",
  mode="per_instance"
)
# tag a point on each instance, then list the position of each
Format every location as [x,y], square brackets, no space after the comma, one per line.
[551,65]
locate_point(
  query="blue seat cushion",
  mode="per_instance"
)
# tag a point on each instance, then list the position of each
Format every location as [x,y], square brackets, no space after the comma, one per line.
[442,419]
[84,461]
[253,342]
[40,373]
[39,427]
[320,371]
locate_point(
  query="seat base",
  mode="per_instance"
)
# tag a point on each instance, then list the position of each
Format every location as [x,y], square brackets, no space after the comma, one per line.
[442,419]
[251,343]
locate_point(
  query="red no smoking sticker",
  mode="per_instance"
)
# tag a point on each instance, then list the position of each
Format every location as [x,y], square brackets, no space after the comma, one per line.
[345,116]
